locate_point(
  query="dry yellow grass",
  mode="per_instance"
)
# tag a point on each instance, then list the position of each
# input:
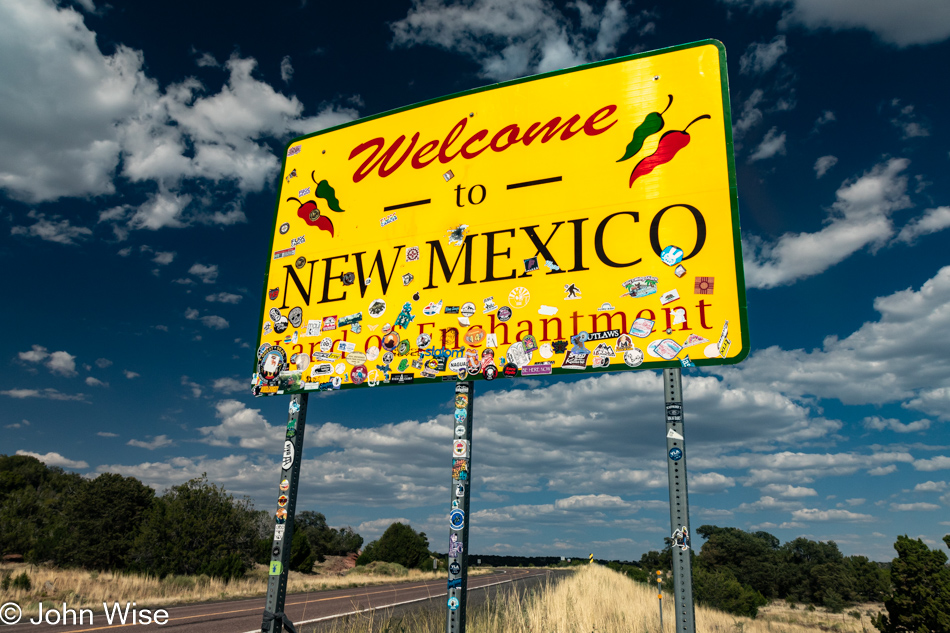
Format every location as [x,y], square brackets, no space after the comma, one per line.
[79,588]
[597,599]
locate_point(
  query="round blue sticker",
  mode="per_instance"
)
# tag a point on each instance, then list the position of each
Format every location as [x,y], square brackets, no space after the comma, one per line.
[456,519]
[453,603]
[676,454]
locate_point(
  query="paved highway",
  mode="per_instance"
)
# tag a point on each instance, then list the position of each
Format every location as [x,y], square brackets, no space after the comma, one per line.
[244,616]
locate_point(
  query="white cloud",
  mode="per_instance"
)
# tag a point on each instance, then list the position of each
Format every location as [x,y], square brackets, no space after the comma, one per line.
[160,441]
[162,209]
[901,24]
[879,424]
[880,471]
[95,382]
[231,385]
[940,462]
[789,492]
[62,363]
[531,35]
[48,393]
[248,425]
[286,69]
[56,230]
[826,117]
[932,221]
[584,503]
[121,122]
[55,459]
[931,486]
[35,355]
[130,374]
[751,113]
[710,482]
[760,58]
[903,356]
[371,530]
[107,434]
[813,514]
[823,164]
[224,297]
[103,363]
[914,507]
[859,217]
[772,145]
[207,274]
[210,320]
[164,258]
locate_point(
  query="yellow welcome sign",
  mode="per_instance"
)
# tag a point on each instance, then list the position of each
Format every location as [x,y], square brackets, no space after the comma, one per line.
[579,221]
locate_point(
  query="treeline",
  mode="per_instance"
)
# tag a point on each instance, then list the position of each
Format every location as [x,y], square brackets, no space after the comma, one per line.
[118,523]
[739,571]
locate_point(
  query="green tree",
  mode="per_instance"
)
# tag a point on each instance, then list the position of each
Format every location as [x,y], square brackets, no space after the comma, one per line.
[398,544]
[103,517]
[196,528]
[720,590]
[920,600]
[302,556]
[811,571]
[752,558]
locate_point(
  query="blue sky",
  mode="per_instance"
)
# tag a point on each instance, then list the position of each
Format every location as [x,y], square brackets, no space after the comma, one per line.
[139,158]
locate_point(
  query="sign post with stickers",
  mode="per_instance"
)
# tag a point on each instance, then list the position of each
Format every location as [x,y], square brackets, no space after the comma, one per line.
[583,220]
[274,619]
[458,513]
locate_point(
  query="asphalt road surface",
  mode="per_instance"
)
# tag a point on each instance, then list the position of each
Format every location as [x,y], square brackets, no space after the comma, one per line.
[312,609]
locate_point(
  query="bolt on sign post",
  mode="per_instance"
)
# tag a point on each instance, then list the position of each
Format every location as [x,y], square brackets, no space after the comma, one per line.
[582,220]
[458,512]
[274,619]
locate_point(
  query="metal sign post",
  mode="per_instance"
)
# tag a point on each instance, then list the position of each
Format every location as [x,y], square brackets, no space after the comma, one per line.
[458,514]
[274,619]
[659,594]
[679,504]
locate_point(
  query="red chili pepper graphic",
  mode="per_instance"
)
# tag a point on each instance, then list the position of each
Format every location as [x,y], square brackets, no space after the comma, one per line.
[310,214]
[670,143]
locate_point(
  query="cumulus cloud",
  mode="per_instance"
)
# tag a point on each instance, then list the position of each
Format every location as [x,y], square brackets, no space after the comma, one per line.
[903,356]
[224,297]
[120,122]
[932,221]
[761,57]
[789,491]
[55,230]
[859,217]
[160,441]
[95,382]
[823,164]
[248,425]
[62,363]
[914,22]
[914,507]
[878,423]
[286,69]
[931,486]
[163,258]
[940,462]
[208,274]
[814,514]
[55,459]
[772,145]
[48,393]
[231,385]
[513,38]
[130,374]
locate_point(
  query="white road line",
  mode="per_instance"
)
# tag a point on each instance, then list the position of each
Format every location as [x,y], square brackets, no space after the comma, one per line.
[386,606]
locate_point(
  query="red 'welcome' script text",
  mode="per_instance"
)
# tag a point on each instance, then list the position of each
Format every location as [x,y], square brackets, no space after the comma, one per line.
[386,159]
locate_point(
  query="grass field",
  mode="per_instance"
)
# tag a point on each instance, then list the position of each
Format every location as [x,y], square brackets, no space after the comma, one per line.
[599,600]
